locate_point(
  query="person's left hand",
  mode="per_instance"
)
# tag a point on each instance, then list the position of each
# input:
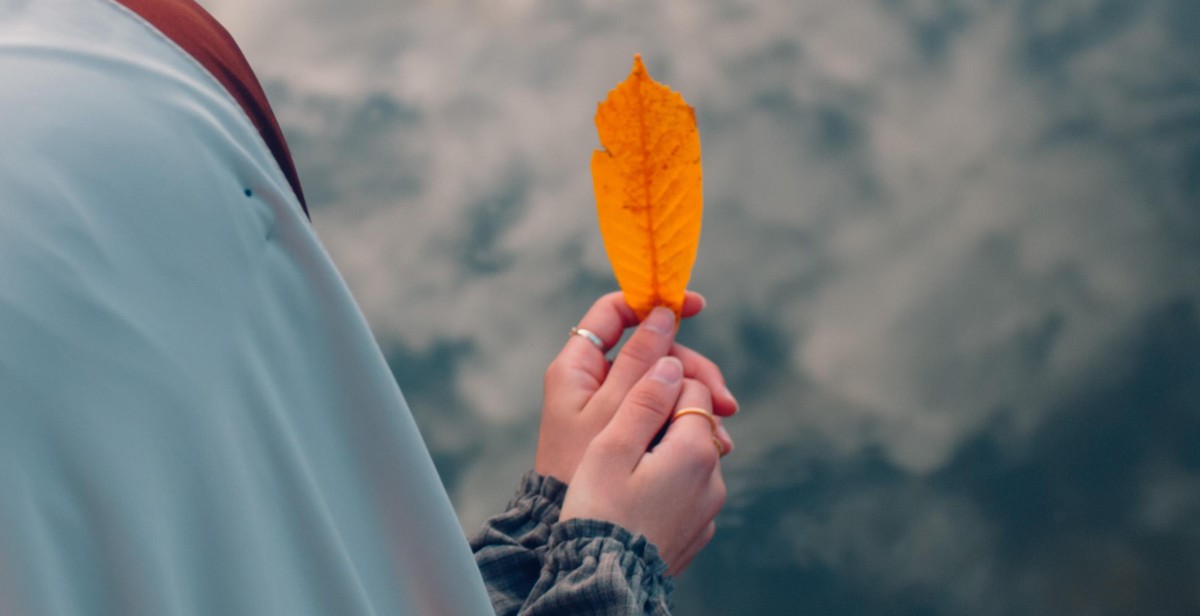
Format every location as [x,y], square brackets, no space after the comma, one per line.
[582,391]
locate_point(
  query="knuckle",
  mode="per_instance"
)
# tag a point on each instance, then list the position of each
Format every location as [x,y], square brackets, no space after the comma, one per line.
[720,494]
[702,454]
[554,372]
[641,350]
[696,393]
[604,447]
[709,458]
[649,400]
[647,345]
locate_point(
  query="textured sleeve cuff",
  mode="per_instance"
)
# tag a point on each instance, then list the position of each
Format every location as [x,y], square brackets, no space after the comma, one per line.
[509,548]
[529,517]
[590,563]
[541,497]
[537,566]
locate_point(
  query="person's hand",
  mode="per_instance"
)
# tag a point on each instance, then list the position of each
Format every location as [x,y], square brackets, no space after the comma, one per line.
[582,391]
[671,493]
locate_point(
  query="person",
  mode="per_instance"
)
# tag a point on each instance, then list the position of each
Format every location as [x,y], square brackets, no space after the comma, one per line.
[194,415]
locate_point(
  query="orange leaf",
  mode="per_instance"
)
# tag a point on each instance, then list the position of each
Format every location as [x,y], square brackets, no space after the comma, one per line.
[648,197]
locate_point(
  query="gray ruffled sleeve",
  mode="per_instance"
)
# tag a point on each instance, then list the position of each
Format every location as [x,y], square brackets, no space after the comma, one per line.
[533,565]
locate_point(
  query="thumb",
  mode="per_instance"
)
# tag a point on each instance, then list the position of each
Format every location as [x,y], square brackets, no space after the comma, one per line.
[644,411]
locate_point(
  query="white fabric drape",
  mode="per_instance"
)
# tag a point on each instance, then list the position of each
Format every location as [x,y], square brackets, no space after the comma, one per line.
[194,416]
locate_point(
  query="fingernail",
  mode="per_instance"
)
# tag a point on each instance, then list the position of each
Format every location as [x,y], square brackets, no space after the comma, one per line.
[661,320]
[668,370]
[736,407]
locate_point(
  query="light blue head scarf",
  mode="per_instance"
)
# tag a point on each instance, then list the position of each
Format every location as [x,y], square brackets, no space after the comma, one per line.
[194,416]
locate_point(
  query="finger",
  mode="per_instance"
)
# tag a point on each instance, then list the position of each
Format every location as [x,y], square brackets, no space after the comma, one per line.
[689,437]
[611,315]
[641,414]
[652,340]
[723,436]
[579,369]
[693,303]
[608,318]
[697,366]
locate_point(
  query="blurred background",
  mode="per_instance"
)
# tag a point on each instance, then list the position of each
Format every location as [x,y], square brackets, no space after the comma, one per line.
[951,252]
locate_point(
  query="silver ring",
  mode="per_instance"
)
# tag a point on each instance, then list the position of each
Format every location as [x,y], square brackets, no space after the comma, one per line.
[593,338]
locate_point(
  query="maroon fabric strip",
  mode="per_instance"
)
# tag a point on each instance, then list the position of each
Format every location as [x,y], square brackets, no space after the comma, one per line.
[199,34]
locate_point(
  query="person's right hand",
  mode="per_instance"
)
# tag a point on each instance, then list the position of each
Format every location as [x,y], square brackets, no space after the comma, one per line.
[671,493]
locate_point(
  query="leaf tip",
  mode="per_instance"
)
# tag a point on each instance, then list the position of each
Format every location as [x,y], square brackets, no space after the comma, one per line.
[638,67]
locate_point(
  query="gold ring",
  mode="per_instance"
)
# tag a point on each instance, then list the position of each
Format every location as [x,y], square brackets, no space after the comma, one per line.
[590,336]
[698,411]
[720,447]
